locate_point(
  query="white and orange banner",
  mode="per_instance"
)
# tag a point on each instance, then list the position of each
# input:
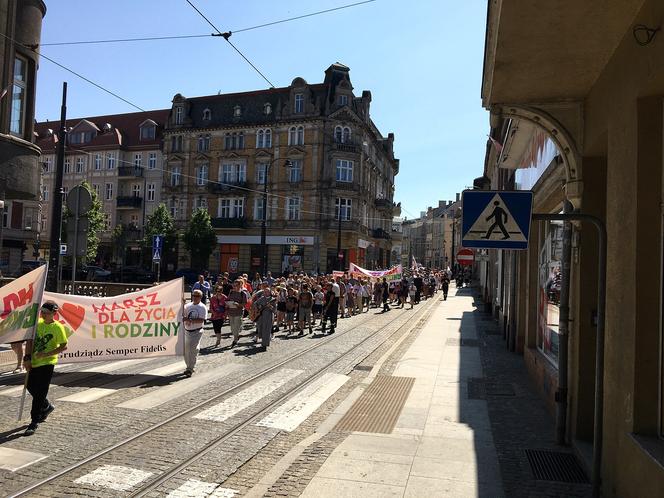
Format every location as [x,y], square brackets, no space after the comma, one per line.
[394,273]
[136,325]
[20,300]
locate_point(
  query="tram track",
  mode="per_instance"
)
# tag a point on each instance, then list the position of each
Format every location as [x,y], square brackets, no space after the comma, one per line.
[237,427]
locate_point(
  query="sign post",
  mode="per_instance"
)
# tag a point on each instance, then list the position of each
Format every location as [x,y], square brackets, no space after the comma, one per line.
[157,247]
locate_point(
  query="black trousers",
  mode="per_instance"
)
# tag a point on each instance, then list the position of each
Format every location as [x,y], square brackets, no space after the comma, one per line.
[39,380]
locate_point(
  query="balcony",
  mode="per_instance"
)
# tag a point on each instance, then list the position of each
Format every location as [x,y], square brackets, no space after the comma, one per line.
[229,222]
[221,188]
[129,202]
[384,204]
[132,232]
[347,147]
[379,233]
[130,172]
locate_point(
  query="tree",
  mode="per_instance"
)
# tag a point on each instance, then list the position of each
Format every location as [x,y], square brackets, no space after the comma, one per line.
[199,238]
[160,222]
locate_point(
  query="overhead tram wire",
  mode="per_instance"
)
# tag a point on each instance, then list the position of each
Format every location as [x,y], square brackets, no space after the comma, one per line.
[179,37]
[226,37]
[34,49]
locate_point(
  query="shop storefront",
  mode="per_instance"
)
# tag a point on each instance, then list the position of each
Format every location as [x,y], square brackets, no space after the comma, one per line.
[286,253]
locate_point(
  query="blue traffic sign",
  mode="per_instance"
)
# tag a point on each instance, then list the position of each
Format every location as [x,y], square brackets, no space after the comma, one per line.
[157,245]
[494,219]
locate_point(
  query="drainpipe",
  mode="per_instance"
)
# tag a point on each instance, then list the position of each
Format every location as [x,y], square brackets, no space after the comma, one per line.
[563,330]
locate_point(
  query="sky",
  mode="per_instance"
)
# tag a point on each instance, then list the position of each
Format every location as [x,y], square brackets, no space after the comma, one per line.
[421,60]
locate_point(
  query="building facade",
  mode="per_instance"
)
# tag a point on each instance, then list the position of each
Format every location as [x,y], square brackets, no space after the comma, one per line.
[428,238]
[21,22]
[120,156]
[590,142]
[328,169]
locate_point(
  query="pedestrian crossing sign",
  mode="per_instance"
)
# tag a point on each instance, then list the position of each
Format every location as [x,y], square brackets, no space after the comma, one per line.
[494,219]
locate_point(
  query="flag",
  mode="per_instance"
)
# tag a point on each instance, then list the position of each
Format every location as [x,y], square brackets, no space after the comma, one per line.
[496,144]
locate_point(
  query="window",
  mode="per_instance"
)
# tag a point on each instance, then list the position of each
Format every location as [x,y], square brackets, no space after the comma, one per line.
[176,176]
[152,160]
[203,143]
[239,141]
[267,108]
[550,280]
[237,111]
[342,99]
[81,137]
[148,132]
[48,165]
[67,165]
[234,140]
[109,192]
[110,164]
[45,193]
[173,207]
[65,193]
[342,134]
[295,171]
[296,135]
[202,174]
[231,208]
[228,141]
[261,170]
[97,189]
[200,203]
[299,102]
[346,135]
[293,208]
[344,170]
[97,162]
[207,115]
[179,114]
[263,139]
[345,205]
[79,165]
[107,221]
[138,159]
[176,143]
[136,190]
[151,191]
[258,209]
[19,97]
[233,173]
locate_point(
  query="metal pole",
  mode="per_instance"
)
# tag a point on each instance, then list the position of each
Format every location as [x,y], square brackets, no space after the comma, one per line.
[56,215]
[75,241]
[599,345]
[264,222]
[338,265]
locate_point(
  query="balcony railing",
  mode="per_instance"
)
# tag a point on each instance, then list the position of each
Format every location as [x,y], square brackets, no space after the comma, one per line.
[130,202]
[130,171]
[379,233]
[347,147]
[229,222]
[218,188]
[384,203]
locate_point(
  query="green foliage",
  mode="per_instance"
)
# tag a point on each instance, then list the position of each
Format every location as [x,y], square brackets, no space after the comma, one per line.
[160,222]
[199,238]
[95,217]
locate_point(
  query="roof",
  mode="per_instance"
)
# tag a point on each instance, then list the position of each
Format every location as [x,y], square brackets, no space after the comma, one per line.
[124,130]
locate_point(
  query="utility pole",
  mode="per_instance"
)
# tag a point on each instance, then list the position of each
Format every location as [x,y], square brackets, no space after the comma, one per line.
[338,265]
[56,215]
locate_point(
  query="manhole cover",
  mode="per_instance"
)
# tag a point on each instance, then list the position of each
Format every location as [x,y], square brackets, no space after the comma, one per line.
[555,466]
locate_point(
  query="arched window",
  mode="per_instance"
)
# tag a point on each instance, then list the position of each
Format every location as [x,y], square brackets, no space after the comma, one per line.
[346,136]
[207,115]
[300,135]
[268,139]
[237,111]
[267,108]
[338,134]
[260,139]
[292,135]
[228,141]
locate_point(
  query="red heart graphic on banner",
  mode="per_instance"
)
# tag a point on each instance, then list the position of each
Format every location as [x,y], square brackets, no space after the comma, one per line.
[73,314]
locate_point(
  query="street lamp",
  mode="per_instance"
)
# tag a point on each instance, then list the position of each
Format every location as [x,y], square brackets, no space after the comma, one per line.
[287,163]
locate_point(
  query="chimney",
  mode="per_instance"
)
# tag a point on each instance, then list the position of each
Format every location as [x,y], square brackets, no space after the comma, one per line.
[458,196]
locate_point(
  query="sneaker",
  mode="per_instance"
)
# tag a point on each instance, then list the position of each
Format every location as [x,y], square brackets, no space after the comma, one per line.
[188,373]
[31,429]
[46,413]
[301,333]
[332,330]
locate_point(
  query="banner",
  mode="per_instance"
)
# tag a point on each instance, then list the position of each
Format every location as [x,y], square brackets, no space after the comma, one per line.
[20,305]
[141,324]
[394,273]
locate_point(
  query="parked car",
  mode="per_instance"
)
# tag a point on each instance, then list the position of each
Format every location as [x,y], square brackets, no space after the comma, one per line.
[96,273]
[133,275]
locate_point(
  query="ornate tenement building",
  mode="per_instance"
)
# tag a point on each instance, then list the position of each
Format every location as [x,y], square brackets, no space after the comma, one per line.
[323,159]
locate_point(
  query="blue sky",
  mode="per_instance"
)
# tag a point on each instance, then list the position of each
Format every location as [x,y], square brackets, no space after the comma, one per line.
[421,60]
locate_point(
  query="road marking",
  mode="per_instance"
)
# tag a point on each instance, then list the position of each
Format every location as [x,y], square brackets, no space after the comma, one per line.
[297,409]
[167,393]
[114,477]
[247,397]
[12,459]
[95,393]
[70,377]
[194,487]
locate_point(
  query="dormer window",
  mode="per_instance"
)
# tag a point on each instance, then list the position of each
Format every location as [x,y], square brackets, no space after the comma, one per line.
[299,102]
[179,115]
[237,111]
[342,100]
[207,115]
[81,137]
[267,108]
[148,132]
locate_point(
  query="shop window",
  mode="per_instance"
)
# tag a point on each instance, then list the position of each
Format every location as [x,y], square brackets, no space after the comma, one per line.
[549,284]
[292,258]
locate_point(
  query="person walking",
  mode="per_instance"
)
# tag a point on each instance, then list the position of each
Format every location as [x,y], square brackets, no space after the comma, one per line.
[50,340]
[194,315]
[446,287]
[203,286]
[319,299]
[235,303]
[331,309]
[263,309]
[386,294]
[17,347]
[412,292]
[306,301]
[218,311]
